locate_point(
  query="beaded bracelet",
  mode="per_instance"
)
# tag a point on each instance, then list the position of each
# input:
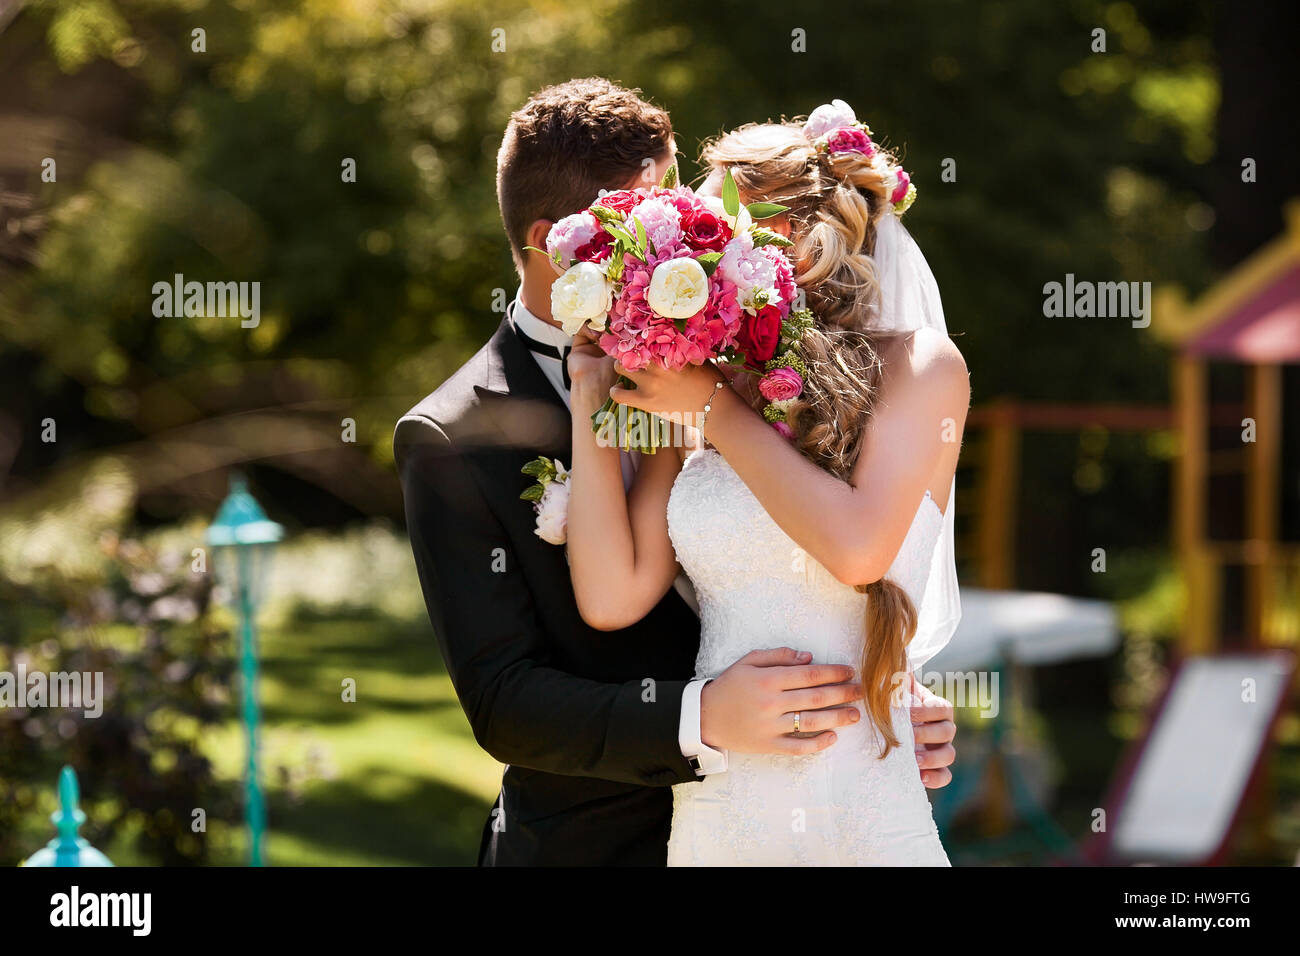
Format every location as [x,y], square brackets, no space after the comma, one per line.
[708,406]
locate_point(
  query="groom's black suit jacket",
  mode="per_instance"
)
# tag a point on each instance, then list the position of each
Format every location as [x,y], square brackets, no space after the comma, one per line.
[586,720]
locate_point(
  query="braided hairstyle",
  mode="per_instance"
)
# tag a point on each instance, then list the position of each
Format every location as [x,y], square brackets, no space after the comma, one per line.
[835,203]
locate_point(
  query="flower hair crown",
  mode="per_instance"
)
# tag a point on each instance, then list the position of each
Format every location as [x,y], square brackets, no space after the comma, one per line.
[833,128]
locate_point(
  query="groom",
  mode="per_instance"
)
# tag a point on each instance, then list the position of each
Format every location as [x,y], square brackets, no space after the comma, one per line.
[594,726]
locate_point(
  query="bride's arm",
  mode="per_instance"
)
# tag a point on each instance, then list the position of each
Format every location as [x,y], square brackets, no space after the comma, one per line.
[853,528]
[621,559]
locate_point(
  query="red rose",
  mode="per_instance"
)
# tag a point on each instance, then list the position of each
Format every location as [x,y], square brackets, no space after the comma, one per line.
[622,200]
[759,335]
[600,247]
[705,231]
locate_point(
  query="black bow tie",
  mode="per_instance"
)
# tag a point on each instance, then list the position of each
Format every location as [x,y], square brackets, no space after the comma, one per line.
[541,348]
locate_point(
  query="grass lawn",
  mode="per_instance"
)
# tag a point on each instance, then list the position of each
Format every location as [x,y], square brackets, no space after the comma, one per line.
[394,778]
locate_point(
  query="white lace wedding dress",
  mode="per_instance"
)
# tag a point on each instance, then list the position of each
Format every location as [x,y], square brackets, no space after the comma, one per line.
[843,806]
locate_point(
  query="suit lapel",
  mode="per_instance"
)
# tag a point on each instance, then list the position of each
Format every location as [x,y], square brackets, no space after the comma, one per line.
[526,409]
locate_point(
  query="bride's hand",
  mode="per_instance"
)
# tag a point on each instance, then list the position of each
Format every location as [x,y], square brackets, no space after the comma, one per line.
[591,373]
[668,393]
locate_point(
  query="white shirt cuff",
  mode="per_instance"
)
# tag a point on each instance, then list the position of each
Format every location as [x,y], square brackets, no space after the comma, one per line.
[703,758]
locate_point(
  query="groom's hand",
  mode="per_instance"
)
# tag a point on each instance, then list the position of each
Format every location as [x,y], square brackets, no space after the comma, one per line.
[750,707]
[934,729]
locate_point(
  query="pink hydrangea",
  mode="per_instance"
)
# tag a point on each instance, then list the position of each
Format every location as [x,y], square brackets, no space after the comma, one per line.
[636,336]
[570,234]
[785,430]
[718,322]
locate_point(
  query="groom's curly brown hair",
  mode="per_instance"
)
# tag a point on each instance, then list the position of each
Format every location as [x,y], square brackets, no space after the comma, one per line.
[567,143]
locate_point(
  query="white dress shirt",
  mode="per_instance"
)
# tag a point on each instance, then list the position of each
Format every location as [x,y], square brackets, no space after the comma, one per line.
[704,758]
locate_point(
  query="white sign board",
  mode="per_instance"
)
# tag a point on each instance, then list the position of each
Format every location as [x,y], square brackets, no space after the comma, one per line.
[1198,758]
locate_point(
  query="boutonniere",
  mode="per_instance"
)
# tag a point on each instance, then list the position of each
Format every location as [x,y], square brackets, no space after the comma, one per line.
[550,498]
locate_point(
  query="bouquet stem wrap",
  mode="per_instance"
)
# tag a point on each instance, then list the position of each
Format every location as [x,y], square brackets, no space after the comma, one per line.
[631,428]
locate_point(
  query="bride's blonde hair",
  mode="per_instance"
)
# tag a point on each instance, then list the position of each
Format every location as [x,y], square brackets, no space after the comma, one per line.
[836,201]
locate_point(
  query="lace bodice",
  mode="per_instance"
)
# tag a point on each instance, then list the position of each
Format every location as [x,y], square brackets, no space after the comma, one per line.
[756,587]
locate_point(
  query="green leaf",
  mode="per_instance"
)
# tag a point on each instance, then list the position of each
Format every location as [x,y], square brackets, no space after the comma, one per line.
[709,261]
[766,210]
[619,233]
[533,493]
[766,237]
[537,467]
[670,177]
[641,239]
[730,195]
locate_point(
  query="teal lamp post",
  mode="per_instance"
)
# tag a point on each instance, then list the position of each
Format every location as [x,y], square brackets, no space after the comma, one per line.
[68,848]
[242,539]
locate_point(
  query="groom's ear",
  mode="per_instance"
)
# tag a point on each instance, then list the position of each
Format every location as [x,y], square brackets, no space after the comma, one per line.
[779,224]
[537,233]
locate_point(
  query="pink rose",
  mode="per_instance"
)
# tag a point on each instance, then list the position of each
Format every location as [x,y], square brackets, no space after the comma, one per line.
[849,139]
[786,431]
[900,190]
[780,385]
[622,200]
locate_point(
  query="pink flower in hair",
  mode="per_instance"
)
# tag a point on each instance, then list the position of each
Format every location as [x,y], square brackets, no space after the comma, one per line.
[849,139]
[786,431]
[902,182]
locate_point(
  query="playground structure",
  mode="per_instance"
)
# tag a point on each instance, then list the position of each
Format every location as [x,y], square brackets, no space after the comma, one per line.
[1251,317]
[1241,591]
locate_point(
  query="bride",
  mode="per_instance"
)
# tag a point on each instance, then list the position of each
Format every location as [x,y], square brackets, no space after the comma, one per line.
[834,526]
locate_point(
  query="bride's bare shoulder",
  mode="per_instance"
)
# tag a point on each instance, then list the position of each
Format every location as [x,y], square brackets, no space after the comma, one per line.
[929,359]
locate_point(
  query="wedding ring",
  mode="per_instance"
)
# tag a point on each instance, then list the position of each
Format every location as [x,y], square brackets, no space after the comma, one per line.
[796,721]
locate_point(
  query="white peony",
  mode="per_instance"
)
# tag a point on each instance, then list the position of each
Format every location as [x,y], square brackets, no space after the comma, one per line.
[583,294]
[553,513]
[827,117]
[678,288]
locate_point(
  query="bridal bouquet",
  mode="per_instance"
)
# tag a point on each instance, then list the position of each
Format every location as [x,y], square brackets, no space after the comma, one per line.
[667,276]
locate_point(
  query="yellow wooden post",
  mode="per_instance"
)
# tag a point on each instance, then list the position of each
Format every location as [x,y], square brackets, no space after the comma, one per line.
[1196,564]
[1262,515]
